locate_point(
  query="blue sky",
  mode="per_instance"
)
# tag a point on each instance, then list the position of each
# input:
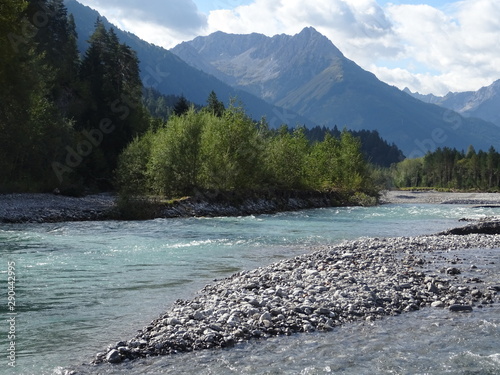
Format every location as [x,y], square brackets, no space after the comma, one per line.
[207,5]
[430,46]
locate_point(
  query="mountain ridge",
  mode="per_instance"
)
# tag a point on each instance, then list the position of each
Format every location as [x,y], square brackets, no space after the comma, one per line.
[240,59]
[170,75]
[317,81]
[483,103]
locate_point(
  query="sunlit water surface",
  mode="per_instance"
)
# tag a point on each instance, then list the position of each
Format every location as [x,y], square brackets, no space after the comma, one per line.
[83,285]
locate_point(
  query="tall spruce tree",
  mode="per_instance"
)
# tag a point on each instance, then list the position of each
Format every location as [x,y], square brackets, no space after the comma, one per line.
[214,105]
[113,97]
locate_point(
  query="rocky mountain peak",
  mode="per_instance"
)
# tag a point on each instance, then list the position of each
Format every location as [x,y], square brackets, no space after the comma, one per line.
[313,39]
[483,103]
[268,67]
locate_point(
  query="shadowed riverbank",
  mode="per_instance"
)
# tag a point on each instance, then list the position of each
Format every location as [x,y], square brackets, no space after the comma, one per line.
[22,208]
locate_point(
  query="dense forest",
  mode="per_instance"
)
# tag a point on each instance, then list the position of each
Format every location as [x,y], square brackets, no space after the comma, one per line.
[66,117]
[451,169]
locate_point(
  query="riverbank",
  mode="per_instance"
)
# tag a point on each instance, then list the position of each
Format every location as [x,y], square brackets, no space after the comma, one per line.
[40,208]
[436,197]
[365,280]
[48,208]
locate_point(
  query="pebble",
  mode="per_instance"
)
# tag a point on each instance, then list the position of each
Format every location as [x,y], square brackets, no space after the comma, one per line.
[113,356]
[359,280]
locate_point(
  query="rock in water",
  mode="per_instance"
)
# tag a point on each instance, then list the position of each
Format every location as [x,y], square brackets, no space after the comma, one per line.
[113,356]
[460,308]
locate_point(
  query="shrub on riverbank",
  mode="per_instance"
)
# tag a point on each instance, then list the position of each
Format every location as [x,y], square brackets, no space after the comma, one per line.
[200,151]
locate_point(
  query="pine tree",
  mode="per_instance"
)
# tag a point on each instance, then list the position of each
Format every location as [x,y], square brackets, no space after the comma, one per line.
[215,106]
[113,94]
[181,107]
[33,129]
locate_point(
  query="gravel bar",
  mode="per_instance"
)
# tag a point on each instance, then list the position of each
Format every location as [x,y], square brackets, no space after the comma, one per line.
[437,197]
[40,208]
[365,279]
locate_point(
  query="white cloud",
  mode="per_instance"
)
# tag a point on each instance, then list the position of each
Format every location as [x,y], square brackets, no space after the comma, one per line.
[162,22]
[359,28]
[427,49]
[461,45]
[455,47]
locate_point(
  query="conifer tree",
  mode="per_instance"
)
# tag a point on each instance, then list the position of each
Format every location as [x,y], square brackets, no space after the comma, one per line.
[181,107]
[215,106]
[113,95]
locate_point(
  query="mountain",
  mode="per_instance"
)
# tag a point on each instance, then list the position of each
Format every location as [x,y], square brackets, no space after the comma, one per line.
[427,98]
[307,74]
[168,74]
[483,104]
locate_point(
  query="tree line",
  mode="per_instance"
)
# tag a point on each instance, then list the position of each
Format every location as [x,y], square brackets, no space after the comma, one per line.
[64,118]
[375,149]
[225,150]
[451,169]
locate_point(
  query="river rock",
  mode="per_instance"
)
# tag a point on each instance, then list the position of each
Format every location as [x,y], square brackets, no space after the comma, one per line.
[113,356]
[359,280]
[460,308]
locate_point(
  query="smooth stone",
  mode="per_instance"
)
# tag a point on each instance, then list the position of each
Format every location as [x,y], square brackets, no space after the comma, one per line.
[437,304]
[198,315]
[453,271]
[215,327]
[113,356]
[432,288]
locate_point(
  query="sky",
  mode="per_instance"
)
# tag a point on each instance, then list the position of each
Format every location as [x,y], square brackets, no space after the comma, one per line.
[429,46]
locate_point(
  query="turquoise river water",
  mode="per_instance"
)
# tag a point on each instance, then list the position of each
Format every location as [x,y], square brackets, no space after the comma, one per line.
[83,285]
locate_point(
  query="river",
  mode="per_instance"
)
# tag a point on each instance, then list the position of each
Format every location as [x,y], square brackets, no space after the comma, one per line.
[83,285]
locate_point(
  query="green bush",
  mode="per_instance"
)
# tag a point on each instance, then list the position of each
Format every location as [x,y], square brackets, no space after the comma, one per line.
[207,152]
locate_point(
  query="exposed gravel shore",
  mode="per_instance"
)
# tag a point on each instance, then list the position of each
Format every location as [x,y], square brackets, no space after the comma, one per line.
[396,196]
[39,208]
[365,279]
